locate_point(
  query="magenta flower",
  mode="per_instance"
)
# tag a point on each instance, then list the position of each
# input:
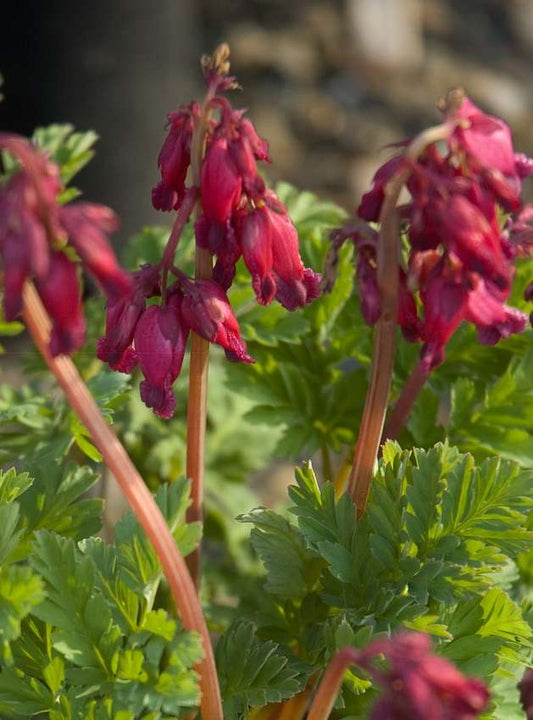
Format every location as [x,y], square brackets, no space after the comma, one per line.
[460,259]
[23,242]
[207,311]
[60,292]
[254,233]
[269,242]
[240,216]
[221,183]
[371,202]
[160,339]
[87,226]
[174,159]
[122,315]
[419,685]
[33,227]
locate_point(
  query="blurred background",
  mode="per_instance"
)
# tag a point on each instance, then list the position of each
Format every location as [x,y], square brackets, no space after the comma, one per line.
[328,82]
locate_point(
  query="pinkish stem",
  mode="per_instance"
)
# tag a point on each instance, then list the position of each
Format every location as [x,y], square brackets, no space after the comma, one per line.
[410,391]
[330,684]
[137,494]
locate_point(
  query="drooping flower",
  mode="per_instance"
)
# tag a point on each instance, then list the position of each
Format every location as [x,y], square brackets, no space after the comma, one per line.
[207,311]
[240,216]
[269,242]
[23,243]
[87,226]
[33,228]
[61,295]
[160,338]
[174,159]
[122,315]
[418,685]
[460,260]
[221,183]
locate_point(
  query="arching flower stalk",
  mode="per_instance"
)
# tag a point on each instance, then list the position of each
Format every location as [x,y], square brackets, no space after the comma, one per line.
[36,231]
[461,177]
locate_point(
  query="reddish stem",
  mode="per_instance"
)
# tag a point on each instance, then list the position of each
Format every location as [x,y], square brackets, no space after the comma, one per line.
[331,684]
[137,494]
[405,402]
[199,362]
[370,430]
[196,418]
[182,218]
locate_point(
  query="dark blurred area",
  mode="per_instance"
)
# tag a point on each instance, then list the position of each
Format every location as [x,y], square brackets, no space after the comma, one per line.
[329,83]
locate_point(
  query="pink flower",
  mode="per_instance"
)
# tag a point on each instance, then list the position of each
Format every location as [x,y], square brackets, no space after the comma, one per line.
[460,259]
[525,687]
[486,139]
[23,243]
[444,297]
[160,339]
[371,202]
[122,315]
[87,226]
[486,309]
[221,183]
[466,232]
[254,233]
[33,225]
[60,292]
[419,685]
[269,242]
[245,147]
[207,311]
[174,159]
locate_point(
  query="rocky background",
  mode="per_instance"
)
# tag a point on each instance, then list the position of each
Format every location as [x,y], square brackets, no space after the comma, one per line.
[328,82]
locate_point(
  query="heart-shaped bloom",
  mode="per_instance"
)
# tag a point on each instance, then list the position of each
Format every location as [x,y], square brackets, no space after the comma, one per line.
[160,339]
[207,311]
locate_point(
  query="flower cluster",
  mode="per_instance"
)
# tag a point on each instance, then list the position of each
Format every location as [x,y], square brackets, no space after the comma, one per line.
[418,685]
[208,161]
[240,216]
[460,260]
[37,237]
[155,336]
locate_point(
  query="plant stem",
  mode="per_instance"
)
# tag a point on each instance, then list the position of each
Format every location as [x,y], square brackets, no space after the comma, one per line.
[405,402]
[373,419]
[196,418]
[331,683]
[199,362]
[182,218]
[137,494]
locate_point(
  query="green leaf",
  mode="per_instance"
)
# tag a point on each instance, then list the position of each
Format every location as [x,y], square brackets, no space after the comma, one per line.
[70,150]
[291,569]
[85,634]
[20,591]
[254,673]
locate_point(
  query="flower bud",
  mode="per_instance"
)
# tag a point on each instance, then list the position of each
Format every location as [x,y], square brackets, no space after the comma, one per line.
[173,160]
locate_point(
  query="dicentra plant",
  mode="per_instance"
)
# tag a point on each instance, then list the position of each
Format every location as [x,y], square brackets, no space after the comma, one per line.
[396,584]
